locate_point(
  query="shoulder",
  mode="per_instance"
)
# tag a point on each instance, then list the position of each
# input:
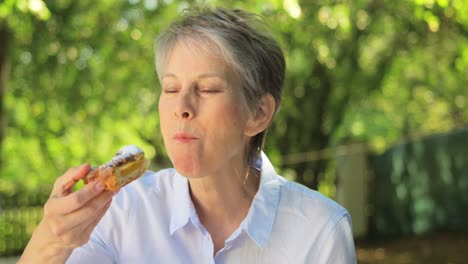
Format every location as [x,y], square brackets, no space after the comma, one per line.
[296,201]
[308,209]
[309,218]
[310,203]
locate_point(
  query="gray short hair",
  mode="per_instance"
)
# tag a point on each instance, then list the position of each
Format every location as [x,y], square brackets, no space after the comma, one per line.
[241,39]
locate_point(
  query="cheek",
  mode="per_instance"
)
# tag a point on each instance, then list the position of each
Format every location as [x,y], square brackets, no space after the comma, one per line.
[164,114]
[229,121]
[162,106]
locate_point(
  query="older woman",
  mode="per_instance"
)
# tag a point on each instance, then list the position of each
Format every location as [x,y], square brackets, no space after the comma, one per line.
[221,79]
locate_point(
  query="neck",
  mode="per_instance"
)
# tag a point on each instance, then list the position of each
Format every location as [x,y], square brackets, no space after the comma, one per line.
[222,201]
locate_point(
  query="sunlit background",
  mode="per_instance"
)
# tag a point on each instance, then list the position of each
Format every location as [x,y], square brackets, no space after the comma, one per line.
[375,109]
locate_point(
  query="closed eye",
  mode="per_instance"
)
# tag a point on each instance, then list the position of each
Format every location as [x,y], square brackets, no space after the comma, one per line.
[210,91]
[170,90]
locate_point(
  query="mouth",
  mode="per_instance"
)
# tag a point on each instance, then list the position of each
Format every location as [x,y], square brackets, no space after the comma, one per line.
[184,137]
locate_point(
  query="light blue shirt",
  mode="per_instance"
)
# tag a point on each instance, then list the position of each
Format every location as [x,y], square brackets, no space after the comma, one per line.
[153,220]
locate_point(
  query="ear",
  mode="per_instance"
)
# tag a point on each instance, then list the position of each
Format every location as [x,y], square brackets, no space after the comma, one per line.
[260,119]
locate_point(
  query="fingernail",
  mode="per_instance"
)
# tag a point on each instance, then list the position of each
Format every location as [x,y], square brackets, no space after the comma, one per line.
[99,186]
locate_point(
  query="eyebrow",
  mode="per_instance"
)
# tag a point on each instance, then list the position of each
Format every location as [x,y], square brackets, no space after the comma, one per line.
[201,76]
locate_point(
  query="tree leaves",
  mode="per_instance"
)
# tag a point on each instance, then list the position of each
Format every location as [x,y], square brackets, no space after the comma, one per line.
[82,80]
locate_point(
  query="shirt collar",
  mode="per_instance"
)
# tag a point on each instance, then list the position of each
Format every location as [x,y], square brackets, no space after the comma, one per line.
[259,221]
[182,207]
[262,213]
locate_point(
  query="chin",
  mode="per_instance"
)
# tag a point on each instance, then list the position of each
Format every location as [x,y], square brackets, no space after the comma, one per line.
[187,166]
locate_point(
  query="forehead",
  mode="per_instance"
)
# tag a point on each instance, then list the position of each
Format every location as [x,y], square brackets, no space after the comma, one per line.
[190,57]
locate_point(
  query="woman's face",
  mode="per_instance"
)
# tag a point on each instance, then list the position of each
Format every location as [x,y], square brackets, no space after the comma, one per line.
[203,116]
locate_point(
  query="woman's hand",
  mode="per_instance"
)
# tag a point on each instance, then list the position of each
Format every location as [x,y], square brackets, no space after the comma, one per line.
[69,218]
[72,216]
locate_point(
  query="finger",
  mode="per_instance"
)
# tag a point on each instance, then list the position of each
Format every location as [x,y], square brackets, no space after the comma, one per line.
[89,229]
[89,211]
[81,173]
[76,200]
[99,216]
[71,175]
[81,233]
[67,187]
[75,173]
[81,217]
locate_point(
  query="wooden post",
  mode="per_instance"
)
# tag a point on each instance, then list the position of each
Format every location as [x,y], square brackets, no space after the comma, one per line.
[352,186]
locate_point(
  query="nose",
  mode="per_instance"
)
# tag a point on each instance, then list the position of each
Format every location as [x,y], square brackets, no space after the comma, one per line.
[185,108]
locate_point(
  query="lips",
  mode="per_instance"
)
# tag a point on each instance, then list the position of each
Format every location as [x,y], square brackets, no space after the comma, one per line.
[184,137]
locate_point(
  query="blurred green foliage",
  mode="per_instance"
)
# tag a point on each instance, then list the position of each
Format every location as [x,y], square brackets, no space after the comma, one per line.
[421,186]
[16,227]
[81,80]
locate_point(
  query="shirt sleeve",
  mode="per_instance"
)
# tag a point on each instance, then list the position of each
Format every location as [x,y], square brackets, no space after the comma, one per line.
[339,246]
[95,251]
[104,242]
[91,252]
